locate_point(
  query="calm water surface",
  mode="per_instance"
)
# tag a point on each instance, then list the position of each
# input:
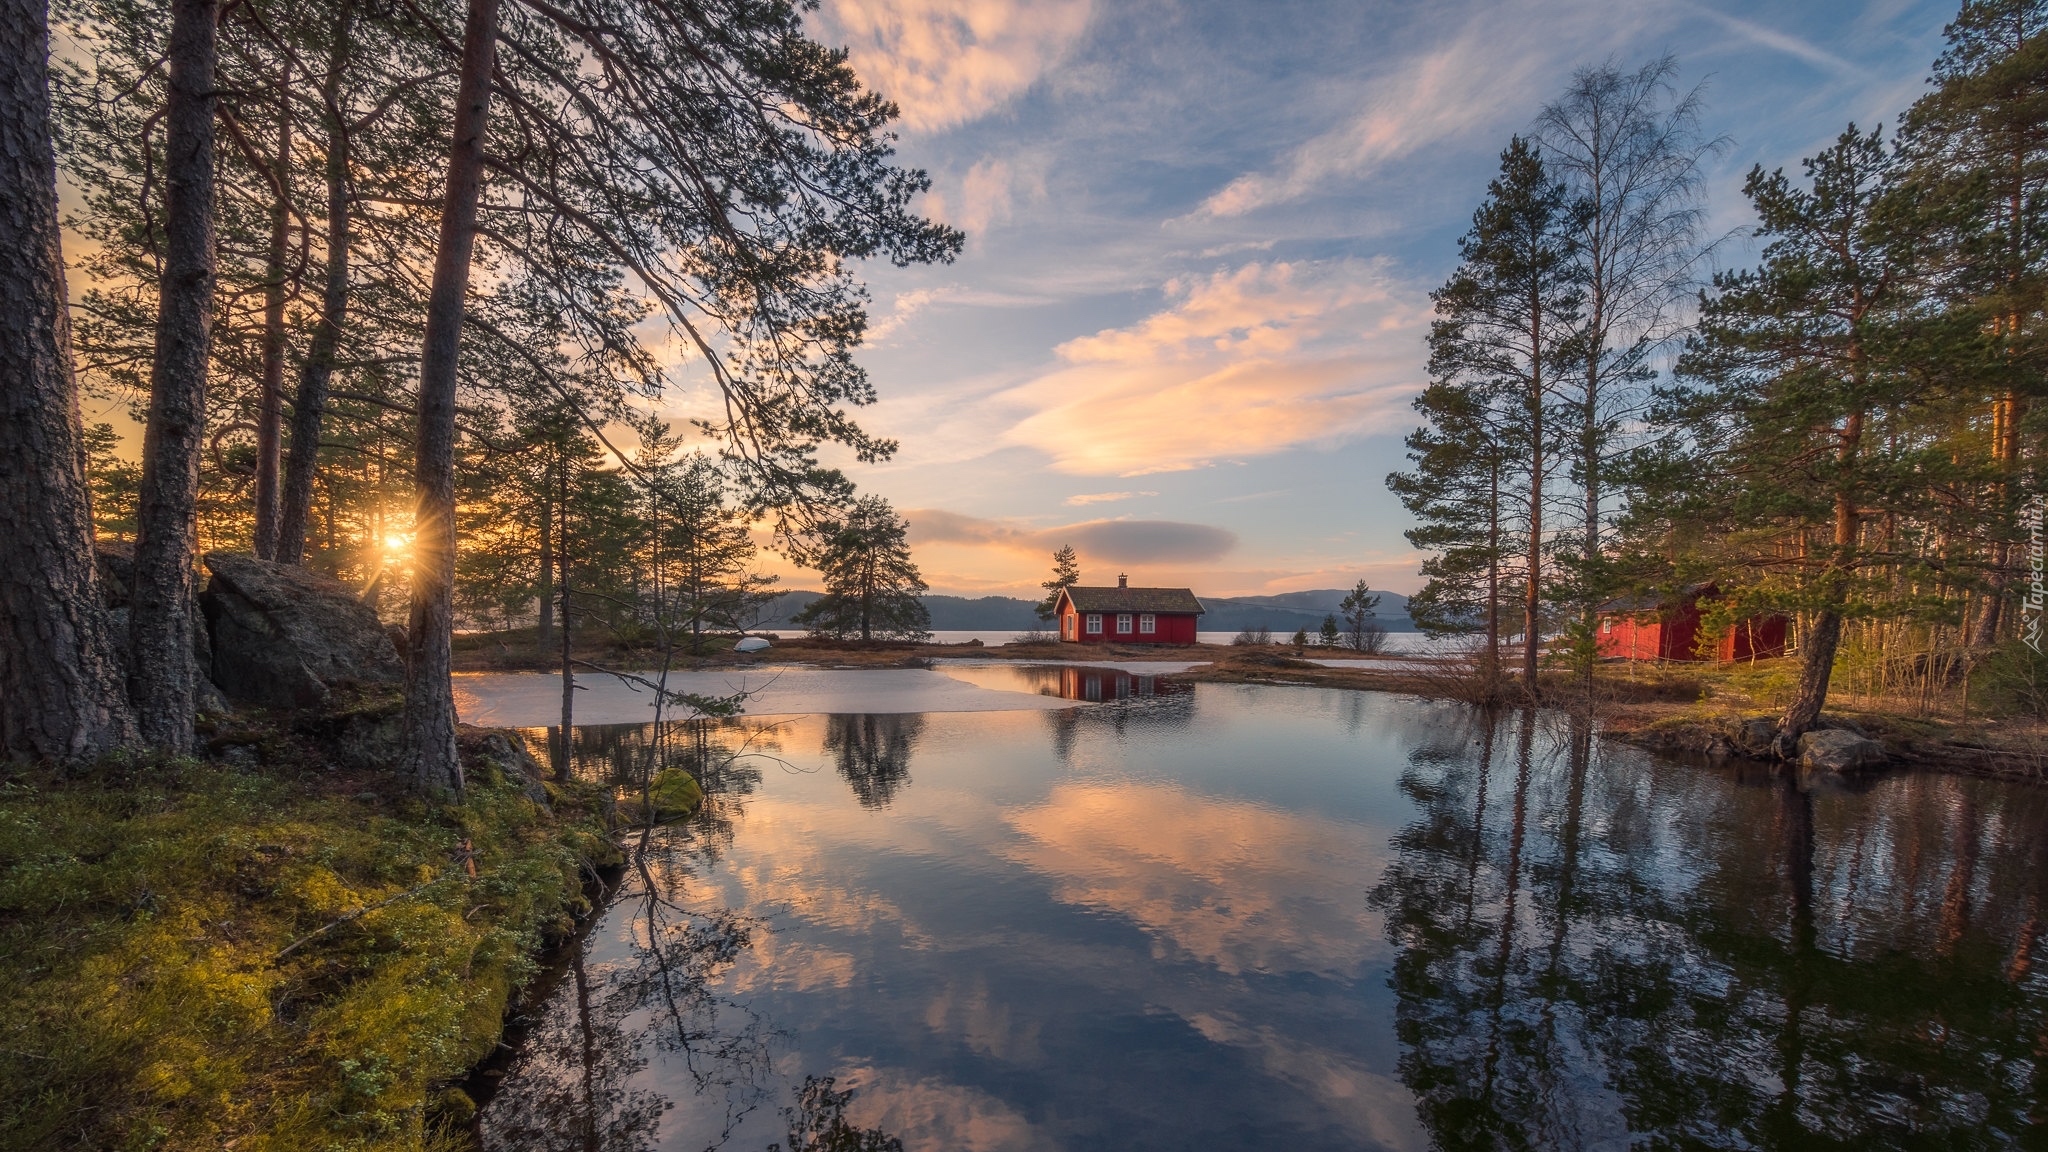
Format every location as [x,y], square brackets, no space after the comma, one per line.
[1230,917]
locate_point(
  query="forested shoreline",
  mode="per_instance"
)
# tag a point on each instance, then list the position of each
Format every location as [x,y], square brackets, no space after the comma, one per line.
[1846,432]
[343,260]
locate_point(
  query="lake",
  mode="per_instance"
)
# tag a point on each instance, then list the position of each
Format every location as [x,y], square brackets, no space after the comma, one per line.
[1221,917]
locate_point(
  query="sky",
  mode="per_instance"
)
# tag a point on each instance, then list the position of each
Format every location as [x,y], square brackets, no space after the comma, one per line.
[1188,323]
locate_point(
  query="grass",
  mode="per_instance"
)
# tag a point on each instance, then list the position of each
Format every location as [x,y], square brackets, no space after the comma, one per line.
[180,967]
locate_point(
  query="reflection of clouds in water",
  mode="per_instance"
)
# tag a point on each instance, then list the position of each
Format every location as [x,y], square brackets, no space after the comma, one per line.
[1373,1106]
[986,1025]
[1234,884]
[948,1116]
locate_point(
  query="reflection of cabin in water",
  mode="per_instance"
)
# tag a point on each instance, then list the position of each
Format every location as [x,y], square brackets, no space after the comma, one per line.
[1668,628]
[1127,615]
[1099,685]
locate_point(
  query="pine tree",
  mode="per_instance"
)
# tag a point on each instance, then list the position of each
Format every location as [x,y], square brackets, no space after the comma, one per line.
[1066,572]
[871,584]
[1804,425]
[1977,154]
[1460,457]
[1506,329]
[61,689]
[1358,607]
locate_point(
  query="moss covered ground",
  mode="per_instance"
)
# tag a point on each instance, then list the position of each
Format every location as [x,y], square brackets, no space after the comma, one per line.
[264,951]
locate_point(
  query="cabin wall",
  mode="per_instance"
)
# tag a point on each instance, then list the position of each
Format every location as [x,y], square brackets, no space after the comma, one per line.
[1174,628]
[1647,637]
[1623,637]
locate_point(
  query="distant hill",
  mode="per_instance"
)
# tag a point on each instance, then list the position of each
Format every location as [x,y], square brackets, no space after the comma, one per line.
[1288,611]
[1281,614]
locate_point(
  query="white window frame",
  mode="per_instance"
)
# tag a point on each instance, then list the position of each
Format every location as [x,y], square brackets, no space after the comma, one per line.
[1095,623]
[1123,623]
[1147,624]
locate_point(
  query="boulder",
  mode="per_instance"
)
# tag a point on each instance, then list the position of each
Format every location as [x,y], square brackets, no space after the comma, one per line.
[508,754]
[286,637]
[116,562]
[1755,737]
[1839,750]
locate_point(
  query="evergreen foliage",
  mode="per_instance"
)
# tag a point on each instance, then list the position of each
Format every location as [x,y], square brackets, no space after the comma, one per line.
[1066,572]
[871,584]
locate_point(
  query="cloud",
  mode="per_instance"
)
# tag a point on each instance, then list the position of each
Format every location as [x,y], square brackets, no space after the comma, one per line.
[1114,541]
[946,62]
[1087,498]
[1780,42]
[1434,97]
[1482,76]
[1238,886]
[1244,363]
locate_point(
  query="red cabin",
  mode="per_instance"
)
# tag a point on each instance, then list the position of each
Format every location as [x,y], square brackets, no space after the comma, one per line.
[1646,628]
[1127,615]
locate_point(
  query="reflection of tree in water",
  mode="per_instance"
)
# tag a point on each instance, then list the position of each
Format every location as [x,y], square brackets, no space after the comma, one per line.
[818,1123]
[572,1086]
[580,1079]
[1617,949]
[873,753]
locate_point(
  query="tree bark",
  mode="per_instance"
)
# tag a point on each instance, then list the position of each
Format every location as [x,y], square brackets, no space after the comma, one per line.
[163,672]
[1817,649]
[62,694]
[310,404]
[1492,671]
[568,640]
[544,629]
[429,696]
[1532,593]
[270,411]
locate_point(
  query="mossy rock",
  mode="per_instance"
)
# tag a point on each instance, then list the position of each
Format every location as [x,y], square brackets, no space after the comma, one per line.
[672,795]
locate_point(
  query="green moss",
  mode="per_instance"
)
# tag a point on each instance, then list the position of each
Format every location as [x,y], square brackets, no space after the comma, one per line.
[144,908]
[673,794]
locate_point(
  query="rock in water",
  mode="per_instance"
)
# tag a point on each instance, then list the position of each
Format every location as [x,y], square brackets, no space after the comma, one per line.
[284,636]
[1839,750]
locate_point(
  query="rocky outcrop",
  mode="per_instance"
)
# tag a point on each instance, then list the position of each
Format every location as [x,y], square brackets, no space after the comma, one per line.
[283,636]
[1839,750]
[490,749]
[116,562]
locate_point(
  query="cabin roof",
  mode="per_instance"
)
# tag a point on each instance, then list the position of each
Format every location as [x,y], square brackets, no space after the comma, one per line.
[1655,601]
[1154,600]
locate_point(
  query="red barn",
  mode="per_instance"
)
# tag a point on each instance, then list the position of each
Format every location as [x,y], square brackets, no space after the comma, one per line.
[1127,615]
[1646,628]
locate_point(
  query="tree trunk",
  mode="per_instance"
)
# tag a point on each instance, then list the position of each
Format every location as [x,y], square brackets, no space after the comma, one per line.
[544,628]
[1817,649]
[62,694]
[1532,593]
[1492,657]
[430,756]
[568,657]
[2005,444]
[163,673]
[311,402]
[270,412]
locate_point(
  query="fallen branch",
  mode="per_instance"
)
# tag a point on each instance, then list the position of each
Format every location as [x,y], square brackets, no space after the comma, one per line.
[316,933]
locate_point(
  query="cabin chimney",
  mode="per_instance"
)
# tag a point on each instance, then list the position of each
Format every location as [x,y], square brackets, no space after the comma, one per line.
[1123,580]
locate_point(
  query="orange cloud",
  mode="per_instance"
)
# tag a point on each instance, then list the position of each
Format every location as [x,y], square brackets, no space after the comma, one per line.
[1242,363]
[1233,884]
[946,62]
